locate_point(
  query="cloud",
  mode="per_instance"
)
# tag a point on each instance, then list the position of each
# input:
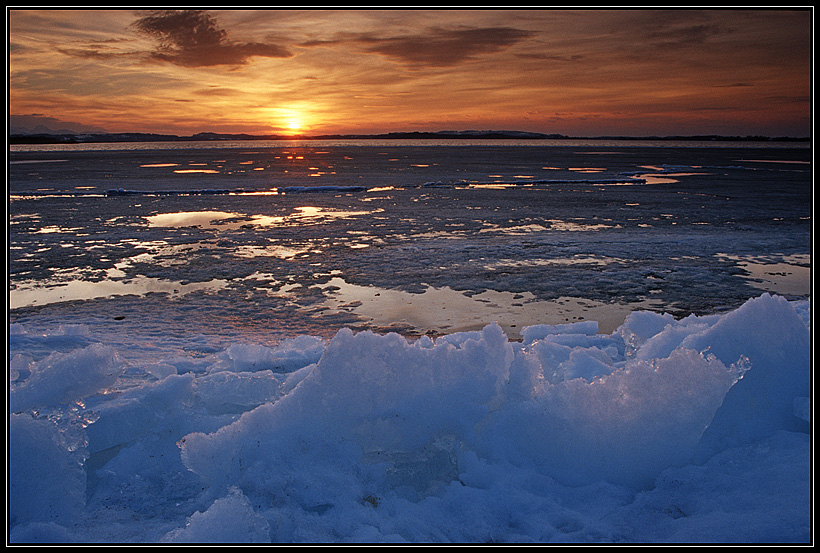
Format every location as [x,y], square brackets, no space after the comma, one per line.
[551,57]
[40,123]
[191,38]
[439,47]
[89,52]
[214,90]
[682,36]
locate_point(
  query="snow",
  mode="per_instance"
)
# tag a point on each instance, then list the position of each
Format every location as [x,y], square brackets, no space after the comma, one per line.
[694,429]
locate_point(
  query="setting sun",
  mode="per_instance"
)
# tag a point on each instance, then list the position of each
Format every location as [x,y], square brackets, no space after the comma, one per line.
[292,120]
[408,275]
[362,72]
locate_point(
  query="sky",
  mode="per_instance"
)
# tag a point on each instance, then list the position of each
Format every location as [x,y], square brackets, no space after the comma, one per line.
[581,72]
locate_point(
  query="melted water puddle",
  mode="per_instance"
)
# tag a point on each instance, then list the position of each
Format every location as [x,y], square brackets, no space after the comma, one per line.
[37,294]
[225,220]
[446,310]
[790,276]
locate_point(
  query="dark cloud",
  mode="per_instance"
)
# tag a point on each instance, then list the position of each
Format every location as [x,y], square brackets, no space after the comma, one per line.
[89,52]
[15,48]
[439,47]
[670,32]
[40,123]
[216,91]
[551,57]
[191,38]
[683,36]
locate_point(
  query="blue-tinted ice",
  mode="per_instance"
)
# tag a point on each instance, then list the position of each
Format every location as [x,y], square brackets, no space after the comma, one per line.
[267,342]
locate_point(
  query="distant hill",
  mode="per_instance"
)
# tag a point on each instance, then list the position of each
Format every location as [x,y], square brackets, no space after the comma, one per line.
[68,137]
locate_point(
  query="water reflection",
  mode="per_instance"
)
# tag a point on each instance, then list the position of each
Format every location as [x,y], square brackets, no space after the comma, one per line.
[212,171]
[663,175]
[281,252]
[554,224]
[37,294]
[445,310]
[578,259]
[790,275]
[55,229]
[233,220]
[209,219]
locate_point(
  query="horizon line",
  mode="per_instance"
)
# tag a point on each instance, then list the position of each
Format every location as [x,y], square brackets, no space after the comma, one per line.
[59,136]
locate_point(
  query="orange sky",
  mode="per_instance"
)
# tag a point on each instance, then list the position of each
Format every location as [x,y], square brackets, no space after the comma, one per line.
[579,73]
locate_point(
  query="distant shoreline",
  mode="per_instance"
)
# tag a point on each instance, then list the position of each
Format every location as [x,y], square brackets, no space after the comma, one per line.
[85,138]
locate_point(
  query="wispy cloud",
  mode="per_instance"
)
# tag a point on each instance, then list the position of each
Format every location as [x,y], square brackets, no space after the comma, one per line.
[93,52]
[437,47]
[192,38]
[582,71]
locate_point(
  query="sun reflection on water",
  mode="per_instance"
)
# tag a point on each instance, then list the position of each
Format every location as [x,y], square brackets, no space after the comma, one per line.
[232,220]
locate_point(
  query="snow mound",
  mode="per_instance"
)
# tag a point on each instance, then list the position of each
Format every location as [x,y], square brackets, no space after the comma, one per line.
[665,430]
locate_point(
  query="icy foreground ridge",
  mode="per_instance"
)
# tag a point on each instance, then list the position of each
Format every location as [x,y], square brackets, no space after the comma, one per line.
[666,430]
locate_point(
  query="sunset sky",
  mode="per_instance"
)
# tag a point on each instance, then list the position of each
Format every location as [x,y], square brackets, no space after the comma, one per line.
[579,73]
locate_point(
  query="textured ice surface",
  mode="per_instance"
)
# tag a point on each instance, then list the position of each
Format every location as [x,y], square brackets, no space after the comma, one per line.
[310,354]
[644,434]
[325,236]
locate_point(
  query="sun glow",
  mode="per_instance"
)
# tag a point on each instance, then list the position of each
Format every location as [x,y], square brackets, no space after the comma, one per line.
[290,119]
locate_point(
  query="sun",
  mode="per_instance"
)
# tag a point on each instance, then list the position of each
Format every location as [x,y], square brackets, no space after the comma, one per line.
[289,119]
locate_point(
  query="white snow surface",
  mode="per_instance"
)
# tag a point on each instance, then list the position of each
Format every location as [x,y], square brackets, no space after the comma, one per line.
[666,430]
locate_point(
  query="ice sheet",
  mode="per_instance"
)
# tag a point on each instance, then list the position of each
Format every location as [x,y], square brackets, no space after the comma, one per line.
[404,343]
[646,434]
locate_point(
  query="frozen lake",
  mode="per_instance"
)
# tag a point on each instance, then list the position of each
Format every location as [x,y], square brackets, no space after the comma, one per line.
[270,239]
[430,342]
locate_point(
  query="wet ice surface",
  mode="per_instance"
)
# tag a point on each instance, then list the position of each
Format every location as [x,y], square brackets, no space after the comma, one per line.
[189,358]
[418,239]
